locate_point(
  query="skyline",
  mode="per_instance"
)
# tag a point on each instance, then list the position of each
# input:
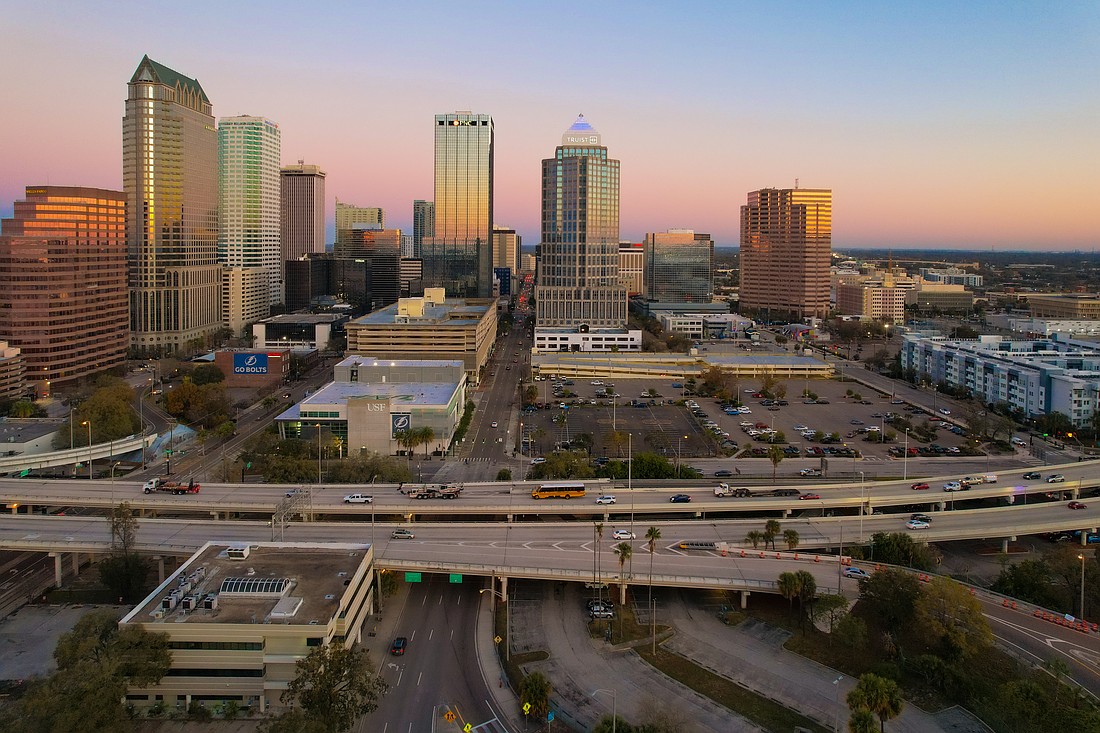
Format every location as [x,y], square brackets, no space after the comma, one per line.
[936,127]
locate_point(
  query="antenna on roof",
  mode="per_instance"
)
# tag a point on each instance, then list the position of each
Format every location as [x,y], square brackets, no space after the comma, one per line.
[796,183]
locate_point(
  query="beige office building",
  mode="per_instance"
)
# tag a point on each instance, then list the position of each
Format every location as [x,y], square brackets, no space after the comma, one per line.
[238,617]
[302,201]
[506,246]
[429,327]
[349,216]
[632,267]
[1074,306]
[786,248]
[245,294]
[871,301]
[170,175]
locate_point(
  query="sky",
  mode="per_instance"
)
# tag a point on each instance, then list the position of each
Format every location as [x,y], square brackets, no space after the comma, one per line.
[936,124]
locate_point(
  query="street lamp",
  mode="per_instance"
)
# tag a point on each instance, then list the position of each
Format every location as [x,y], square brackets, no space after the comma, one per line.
[318,453]
[1082,559]
[507,619]
[836,704]
[89,424]
[614,706]
[905,458]
[862,506]
[679,441]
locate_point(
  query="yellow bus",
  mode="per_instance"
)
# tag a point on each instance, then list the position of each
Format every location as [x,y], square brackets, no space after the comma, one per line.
[564,490]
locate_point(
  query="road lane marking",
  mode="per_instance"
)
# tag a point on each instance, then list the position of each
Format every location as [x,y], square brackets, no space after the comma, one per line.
[431,634]
[400,674]
[412,636]
[418,678]
[440,600]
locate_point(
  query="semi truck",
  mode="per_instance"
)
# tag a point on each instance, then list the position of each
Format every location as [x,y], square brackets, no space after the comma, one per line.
[170,487]
[726,490]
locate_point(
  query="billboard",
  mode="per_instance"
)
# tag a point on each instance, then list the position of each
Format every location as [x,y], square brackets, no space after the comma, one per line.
[250,363]
[399,422]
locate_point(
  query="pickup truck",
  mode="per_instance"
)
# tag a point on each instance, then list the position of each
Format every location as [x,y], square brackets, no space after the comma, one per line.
[171,487]
[810,472]
[725,490]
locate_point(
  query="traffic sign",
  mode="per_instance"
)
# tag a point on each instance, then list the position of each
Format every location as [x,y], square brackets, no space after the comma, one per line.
[413,577]
[449,716]
[456,578]
[497,639]
[467,728]
[526,708]
[550,717]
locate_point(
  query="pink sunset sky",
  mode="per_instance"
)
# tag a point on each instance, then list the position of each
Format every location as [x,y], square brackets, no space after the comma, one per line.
[936,124]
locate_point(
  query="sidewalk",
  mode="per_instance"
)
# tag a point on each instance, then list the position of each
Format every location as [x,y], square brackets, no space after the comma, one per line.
[752,655]
[505,702]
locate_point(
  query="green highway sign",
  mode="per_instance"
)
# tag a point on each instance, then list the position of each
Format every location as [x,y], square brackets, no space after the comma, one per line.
[412,577]
[456,578]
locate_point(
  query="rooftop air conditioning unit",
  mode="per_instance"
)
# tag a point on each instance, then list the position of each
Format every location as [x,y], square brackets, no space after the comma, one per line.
[238,552]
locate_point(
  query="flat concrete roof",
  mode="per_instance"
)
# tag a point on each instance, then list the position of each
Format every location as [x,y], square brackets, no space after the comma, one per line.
[413,394]
[316,575]
[452,312]
[361,360]
[15,431]
[306,318]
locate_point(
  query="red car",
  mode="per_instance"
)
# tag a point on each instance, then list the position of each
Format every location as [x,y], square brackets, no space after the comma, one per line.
[1076,505]
[810,496]
[919,487]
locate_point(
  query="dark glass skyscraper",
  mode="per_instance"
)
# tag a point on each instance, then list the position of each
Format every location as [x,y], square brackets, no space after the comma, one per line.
[679,266]
[578,272]
[459,256]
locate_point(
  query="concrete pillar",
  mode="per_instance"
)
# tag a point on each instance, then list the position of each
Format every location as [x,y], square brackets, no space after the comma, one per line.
[504,588]
[510,518]
[215,515]
[76,563]
[1004,544]
[744,599]
[786,513]
[56,568]
[622,590]
[606,517]
[160,567]
[1076,493]
[941,506]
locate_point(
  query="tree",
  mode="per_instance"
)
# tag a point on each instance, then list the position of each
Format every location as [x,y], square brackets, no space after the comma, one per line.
[775,455]
[787,585]
[607,724]
[877,695]
[504,474]
[945,610]
[861,721]
[536,689]
[652,535]
[207,374]
[899,548]
[851,631]
[755,536]
[891,596]
[807,591]
[124,570]
[334,686]
[790,536]
[771,530]
[832,607]
[624,551]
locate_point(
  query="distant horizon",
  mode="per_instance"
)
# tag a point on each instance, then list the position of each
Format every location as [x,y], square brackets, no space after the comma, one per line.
[943,126]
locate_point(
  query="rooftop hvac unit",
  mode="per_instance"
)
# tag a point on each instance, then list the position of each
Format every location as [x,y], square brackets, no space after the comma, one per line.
[189,603]
[168,603]
[210,602]
[238,552]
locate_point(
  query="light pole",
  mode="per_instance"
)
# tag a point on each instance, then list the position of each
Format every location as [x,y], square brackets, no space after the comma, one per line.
[89,424]
[318,454]
[862,507]
[507,615]
[614,706]
[679,441]
[836,704]
[905,458]
[1082,559]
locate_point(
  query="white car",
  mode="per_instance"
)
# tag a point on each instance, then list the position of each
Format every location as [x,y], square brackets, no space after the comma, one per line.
[596,383]
[916,524]
[537,461]
[358,499]
[1056,478]
[952,486]
[493,424]
[605,499]
[944,411]
[623,534]
[857,573]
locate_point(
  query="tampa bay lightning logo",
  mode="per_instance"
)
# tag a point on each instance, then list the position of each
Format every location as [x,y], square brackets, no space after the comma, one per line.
[251,360]
[401,422]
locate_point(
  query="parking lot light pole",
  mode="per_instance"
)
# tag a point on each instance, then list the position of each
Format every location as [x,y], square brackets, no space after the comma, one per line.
[836,704]
[862,506]
[89,424]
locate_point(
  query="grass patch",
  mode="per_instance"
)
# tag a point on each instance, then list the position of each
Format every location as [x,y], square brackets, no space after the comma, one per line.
[757,708]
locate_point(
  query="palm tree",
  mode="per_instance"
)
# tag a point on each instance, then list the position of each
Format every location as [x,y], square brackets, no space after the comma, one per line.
[536,689]
[651,535]
[878,695]
[775,455]
[623,550]
[788,587]
[425,436]
[807,590]
[771,529]
[790,536]
[754,537]
[861,721]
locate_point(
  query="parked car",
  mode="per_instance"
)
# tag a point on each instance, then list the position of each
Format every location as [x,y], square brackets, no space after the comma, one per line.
[601,613]
[919,486]
[623,534]
[605,499]
[679,498]
[917,524]
[1056,478]
[537,461]
[402,534]
[857,573]
[358,499]
[598,604]
[399,645]
[1077,505]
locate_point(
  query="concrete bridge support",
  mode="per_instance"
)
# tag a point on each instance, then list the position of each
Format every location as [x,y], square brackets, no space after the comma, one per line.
[160,567]
[622,591]
[76,564]
[744,599]
[57,573]
[1005,541]
[1085,535]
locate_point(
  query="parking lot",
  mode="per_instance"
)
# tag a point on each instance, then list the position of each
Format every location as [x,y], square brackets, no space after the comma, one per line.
[842,422]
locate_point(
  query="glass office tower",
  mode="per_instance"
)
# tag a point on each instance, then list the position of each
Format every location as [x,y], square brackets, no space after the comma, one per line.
[459,256]
[679,266]
[578,272]
[170,176]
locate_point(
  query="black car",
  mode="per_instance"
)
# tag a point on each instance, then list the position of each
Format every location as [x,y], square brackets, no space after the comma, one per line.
[921,518]
[398,646]
[679,498]
[724,473]
[1032,475]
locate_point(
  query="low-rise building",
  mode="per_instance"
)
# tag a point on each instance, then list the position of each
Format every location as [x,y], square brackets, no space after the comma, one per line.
[704,325]
[1075,306]
[371,401]
[588,339]
[238,618]
[941,298]
[250,368]
[298,331]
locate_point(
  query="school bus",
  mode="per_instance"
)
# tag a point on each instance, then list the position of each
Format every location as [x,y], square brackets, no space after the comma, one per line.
[563,490]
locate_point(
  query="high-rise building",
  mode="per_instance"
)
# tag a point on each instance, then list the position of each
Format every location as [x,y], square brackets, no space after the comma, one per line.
[349,216]
[578,279]
[679,266]
[506,246]
[786,246]
[632,267]
[423,224]
[63,297]
[170,175]
[249,215]
[302,198]
[381,249]
[458,256]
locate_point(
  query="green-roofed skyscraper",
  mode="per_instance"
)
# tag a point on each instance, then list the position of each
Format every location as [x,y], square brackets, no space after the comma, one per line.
[170,175]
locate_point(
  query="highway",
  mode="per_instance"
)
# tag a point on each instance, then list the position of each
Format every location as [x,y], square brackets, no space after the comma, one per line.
[513,499]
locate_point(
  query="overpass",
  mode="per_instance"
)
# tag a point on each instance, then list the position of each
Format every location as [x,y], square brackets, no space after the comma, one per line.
[69,456]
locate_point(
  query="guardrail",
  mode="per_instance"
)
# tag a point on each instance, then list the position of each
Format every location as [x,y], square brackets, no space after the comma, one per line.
[69,456]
